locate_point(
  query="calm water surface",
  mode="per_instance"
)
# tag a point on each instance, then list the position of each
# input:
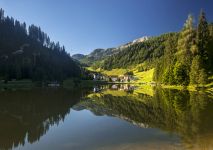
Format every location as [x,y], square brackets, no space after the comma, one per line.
[106,118]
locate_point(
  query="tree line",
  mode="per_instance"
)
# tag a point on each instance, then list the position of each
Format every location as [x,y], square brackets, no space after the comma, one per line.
[138,53]
[28,53]
[188,58]
[180,58]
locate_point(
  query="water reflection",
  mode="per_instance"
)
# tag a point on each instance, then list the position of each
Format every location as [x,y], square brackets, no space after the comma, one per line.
[157,113]
[120,87]
[188,114]
[27,115]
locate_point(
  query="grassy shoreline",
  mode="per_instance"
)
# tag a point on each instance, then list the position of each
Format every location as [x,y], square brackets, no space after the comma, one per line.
[19,84]
[27,84]
[145,78]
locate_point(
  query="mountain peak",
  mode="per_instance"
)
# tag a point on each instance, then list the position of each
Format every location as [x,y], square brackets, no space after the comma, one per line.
[142,39]
[78,56]
[139,40]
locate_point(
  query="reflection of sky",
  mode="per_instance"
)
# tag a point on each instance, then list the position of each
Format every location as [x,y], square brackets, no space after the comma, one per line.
[83,130]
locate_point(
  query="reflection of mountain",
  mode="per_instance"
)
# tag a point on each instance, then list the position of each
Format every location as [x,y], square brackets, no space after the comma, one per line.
[184,113]
[27,115]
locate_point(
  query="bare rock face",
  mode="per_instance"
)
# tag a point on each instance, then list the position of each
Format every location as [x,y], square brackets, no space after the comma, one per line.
[145,38]
[139,40]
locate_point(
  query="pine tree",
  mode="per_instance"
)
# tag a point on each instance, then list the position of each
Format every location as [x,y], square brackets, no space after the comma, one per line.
[186,41]
[210,48]
[181,74]
[195,69]
[203,36]
[203,78]
[186,48]
[1,14]
[211,30]
[198,75]
[169,60]
[168,76]
[30,54]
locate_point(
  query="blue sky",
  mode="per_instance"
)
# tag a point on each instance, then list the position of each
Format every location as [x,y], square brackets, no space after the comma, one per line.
[83,25]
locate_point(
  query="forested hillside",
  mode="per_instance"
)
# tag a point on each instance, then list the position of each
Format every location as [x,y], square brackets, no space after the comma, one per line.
[187,60]
[178,58]
[96,56]
[30,54]
[181,58]
[147,51]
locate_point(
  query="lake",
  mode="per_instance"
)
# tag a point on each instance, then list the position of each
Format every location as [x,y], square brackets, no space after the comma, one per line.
[113,117]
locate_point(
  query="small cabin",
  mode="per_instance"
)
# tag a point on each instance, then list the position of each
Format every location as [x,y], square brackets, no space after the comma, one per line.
[114,78]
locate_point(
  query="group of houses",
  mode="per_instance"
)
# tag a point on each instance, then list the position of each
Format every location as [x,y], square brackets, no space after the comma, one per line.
[122,87]
[121,78]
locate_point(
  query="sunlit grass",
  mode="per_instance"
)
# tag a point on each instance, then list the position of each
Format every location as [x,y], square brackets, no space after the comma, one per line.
[178,87]
[144,77]
[92,95]
[114,72]
[147,77]
[118,93]
[144,89]
[115,93]
[90,69]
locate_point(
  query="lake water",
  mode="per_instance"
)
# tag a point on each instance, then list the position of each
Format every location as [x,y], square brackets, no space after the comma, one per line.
[116,117]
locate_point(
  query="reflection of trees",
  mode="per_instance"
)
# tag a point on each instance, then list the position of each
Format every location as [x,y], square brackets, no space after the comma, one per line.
[185,113]
[29,114]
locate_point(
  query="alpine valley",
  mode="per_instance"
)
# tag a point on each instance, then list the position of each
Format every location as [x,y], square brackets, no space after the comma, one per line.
[182,58]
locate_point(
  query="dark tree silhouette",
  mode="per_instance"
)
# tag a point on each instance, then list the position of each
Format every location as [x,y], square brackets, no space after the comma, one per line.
[30,54]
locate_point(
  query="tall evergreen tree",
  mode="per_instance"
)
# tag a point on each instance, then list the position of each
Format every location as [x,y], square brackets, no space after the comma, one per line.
[1,14]
[210,48]
[169,59]
[186,41]
[195,70]
[203,36]
[186,48]
[203,78]
[29,54]
[181,74]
